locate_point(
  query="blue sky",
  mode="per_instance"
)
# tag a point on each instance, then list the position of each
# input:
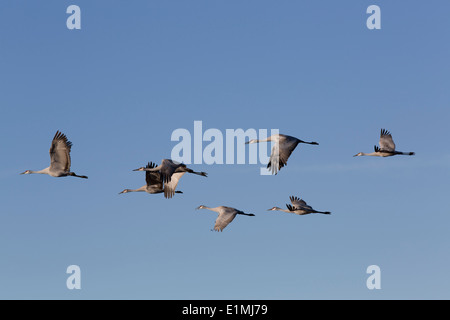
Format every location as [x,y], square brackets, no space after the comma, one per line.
[136,71]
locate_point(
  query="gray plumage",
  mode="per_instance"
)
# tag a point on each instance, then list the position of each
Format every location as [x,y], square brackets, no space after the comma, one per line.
[281,150]
[169,173]
[226,215]
[386,148]
[154,183]
[60,161]
[299,207]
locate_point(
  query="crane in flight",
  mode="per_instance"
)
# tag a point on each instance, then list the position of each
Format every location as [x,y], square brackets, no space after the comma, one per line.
[59,158]
[281,150]
[154,183]
[226,215]
[386,148]
[170,174]
[299,207]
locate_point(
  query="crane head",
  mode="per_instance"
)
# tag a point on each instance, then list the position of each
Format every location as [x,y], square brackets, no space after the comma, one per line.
[140,169]
[26,172]
[273,209]
[200,207]
[358,154]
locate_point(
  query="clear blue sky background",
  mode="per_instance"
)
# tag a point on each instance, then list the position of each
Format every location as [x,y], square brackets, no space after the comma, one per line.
[137,70]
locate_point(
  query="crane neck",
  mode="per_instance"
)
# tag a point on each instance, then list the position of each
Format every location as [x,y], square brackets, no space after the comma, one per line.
[43,171]
[373,154]
[141,189]
[216,209]
[280,209]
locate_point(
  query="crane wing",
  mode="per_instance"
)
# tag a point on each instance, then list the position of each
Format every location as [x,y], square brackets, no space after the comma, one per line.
[169,187]
[153,178]
[60,153]
[168,168]
[223,220]
[300,210]
[297,202]
[280,155]
[386,141]
[291,208]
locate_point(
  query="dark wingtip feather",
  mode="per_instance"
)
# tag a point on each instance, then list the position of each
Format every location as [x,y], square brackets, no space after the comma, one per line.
[151,165]
[61,136]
